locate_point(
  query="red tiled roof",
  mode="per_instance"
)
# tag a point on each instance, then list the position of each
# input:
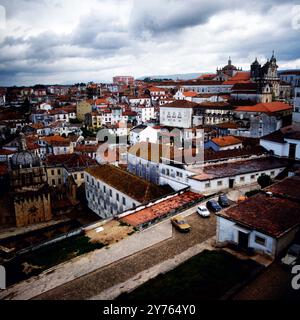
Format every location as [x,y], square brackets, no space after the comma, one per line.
[288,187]
[180,104]
[129,113]
[70,160]
[57,140]
[226,141]
[155,89]
[4,152]
[240,76]
[86,148]
[266,107]
[161,209]
[101,101]
[207,76]
[244,86]
[190,94]
[270,215]
[127,183]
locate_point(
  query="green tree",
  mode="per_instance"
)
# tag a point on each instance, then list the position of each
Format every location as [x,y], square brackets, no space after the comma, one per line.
[264,180]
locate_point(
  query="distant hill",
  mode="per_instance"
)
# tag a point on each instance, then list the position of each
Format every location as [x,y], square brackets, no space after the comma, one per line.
[184,76]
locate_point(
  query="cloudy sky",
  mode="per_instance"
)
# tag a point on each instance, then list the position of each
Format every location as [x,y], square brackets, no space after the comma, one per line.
[66,41]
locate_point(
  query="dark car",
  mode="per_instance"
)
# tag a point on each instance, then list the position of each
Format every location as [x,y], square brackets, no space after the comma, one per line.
[223,201]
[213,206]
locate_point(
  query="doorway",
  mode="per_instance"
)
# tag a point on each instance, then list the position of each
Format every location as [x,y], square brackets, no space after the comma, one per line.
[231,183]
[243,240]
[292,151]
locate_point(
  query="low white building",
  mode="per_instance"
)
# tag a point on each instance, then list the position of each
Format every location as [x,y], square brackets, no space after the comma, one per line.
[264,223]
[224,143]
[145,113]
[284,142]
[185,95]
[140,100]
[111,190]
[177,114]
[233,174]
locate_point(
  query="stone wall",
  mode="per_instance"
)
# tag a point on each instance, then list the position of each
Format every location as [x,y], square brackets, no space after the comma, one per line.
[32,209]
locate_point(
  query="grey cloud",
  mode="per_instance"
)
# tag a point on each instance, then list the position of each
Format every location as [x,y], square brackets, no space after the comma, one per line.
[101,36]
[156,17]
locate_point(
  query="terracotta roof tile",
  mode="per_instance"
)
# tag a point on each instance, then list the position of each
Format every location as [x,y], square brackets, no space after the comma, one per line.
[226,141]
[270,107]
[127,183]
[270,215]
[161,209]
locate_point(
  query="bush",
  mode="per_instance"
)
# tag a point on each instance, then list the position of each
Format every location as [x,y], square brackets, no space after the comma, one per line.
[264,180]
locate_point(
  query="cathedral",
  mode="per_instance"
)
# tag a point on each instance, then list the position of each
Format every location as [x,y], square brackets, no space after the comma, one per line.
[266,74]
[31,194]
[227,72]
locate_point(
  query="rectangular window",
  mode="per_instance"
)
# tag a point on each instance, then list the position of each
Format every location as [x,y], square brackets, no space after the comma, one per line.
[104,189]
[252,176]
[52,172]
[110,192]
[117,197]
[58,171]
[124,201]
[207,185]
[82,175]
[75,176]
[220,183]
[260,240]
[272,173]
[242,179]
[59,181]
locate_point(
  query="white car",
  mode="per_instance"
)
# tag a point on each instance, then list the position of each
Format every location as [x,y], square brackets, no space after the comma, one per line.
[203,212]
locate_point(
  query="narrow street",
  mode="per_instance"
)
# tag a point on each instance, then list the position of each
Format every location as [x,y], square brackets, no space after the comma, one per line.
[94,283]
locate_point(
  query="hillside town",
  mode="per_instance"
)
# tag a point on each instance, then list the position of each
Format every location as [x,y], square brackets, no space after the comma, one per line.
[105,176]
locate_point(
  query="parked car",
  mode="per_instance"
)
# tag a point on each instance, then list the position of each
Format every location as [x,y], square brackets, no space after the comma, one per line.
[223,200]
[180,224]
[203,212]
[213,206]
[242,198]
[292,257]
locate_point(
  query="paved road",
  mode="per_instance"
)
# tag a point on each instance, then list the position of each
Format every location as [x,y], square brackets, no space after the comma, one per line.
[94,283]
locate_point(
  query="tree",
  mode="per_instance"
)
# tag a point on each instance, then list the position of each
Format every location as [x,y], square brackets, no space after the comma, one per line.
[264,180]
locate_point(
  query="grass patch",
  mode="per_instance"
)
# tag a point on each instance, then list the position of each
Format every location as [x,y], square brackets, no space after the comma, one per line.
[206,276]
[47,257]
